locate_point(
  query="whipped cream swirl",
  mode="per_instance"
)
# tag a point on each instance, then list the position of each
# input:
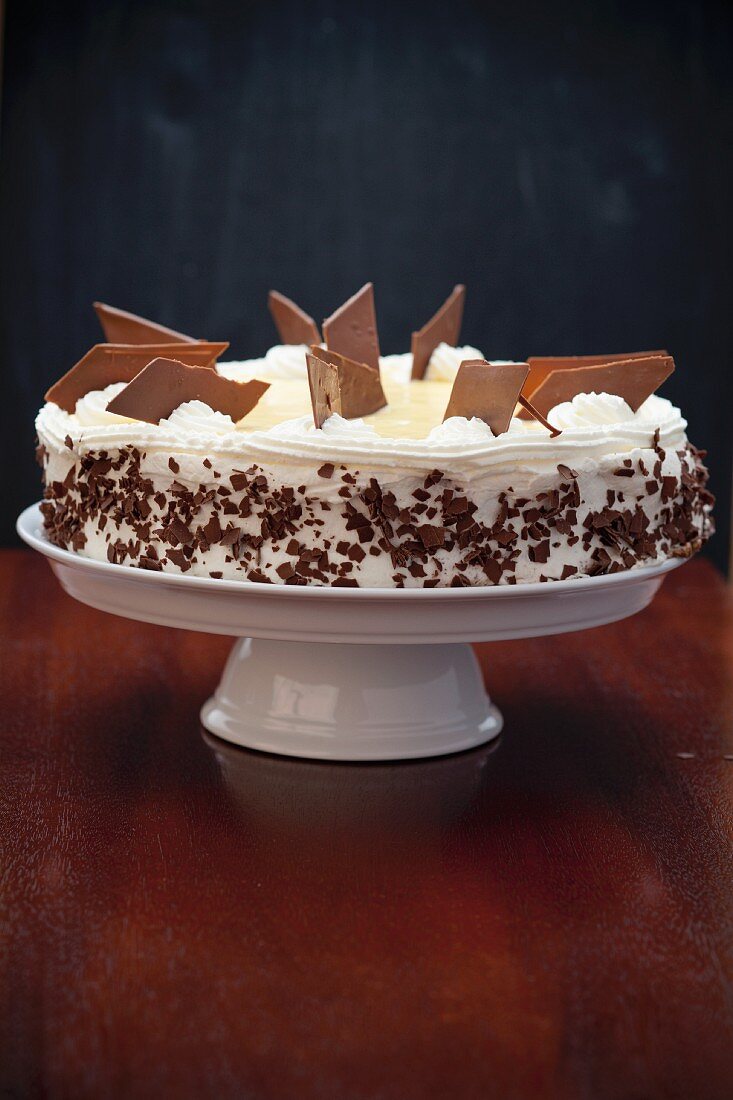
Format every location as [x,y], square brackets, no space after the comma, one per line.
[287,361]
[587,410]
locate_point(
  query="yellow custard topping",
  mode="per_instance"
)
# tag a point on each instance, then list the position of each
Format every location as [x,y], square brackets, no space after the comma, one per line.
[413,409]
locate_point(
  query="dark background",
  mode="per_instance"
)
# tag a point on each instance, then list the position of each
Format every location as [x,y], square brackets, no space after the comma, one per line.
[570,162]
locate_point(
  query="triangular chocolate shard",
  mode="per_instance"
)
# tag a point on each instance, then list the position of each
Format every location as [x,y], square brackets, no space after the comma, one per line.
[293,325]
[352,329]
[542,365]
[164,384]
[489,391]
[443,328]
[120,327]
[323,382]
[107,363]
[632,379]
[348,388]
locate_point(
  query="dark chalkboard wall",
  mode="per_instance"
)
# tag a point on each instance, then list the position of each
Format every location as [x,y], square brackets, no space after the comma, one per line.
[570,162]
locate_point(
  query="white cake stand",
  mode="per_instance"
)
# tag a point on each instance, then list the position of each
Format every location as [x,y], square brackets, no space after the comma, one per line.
[405,685]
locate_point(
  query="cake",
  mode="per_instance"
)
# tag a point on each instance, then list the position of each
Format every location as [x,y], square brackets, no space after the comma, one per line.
[327,463]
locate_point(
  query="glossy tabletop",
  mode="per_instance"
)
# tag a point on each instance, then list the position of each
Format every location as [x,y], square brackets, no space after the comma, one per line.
[547,917]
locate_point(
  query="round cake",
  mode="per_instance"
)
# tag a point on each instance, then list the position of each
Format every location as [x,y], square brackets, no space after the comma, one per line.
[326,463]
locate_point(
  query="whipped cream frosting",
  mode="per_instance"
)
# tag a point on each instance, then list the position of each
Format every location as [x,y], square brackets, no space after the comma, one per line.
[593,426]
[287,361]
[445,361]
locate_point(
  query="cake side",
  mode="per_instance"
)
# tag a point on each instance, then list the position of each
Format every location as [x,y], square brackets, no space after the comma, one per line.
[341,506]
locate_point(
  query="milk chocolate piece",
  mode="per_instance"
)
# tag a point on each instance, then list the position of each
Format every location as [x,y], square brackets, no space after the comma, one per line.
[352,329]
[443,328]
[107,363]
[348,388]
[487,390]
[293,325]
[164,384]
[541,366]
[634,379]
[120,327]
[323,381]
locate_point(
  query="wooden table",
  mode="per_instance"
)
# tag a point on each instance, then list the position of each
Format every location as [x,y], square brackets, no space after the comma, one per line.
[547,918]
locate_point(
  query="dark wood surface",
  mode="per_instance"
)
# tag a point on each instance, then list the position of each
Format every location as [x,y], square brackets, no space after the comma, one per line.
[551,918]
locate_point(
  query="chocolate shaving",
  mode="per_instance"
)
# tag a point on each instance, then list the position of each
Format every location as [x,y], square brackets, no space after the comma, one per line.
[293,325]
[431,535]
[443,328]
[343,386]
[165,384]
[107,363]
[352,329]
[632,379]
[537,415]
[487,390]
[120,327]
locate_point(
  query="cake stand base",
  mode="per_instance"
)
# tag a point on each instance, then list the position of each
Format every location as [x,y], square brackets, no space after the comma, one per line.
[349,673]
[355,702]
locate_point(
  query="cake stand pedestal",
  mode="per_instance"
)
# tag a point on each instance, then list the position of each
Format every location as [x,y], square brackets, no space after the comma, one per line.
[349,673]
[355,702]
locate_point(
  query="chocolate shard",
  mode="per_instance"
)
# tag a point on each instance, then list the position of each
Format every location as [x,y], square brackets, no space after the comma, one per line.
[107,363]
[164,384]
[120,327]
[323,381]
[348,388]
[489,391]
[360,384]
[293,325]
[540,366]
[634,379]
[352,329]
[442,328]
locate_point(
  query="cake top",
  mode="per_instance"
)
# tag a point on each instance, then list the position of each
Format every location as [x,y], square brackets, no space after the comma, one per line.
[330,391]
[163,370]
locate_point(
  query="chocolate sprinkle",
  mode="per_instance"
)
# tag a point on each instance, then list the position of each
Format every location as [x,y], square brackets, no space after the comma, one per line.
[269,533]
